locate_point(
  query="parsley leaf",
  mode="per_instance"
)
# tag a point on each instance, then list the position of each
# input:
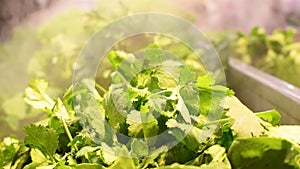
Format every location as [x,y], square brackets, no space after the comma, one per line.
[35,95]
[42,138]
[246,124]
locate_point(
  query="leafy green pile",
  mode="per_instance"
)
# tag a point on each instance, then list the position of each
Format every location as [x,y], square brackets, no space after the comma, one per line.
[149,95]
[277,54]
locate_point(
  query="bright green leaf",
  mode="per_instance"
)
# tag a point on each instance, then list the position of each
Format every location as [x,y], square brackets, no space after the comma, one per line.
[271,116]
[35,95]
[85,150]
[123,163]
[263,153]
[246,124]
[289,132]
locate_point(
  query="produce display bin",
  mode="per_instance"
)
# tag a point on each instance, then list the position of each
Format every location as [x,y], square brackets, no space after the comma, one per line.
[261,91]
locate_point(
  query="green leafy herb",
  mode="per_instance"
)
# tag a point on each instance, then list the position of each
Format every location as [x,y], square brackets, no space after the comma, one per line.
[264,153]
[42,138]
[35,95]
[203,124]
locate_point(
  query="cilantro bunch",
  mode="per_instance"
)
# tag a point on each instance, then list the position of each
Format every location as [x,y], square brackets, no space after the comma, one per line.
[156,114]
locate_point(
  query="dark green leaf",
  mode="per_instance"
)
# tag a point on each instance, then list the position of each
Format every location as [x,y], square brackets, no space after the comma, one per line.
[42,138]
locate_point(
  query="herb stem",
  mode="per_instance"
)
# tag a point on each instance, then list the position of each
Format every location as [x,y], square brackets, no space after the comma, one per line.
[160,92]
[68,132]
[217,121]
[52,159]
[100,88]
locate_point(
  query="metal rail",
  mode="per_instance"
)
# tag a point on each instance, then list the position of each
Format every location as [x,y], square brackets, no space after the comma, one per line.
[261,91]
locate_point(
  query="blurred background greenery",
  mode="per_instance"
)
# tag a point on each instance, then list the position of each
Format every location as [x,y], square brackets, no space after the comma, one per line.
[49,51]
